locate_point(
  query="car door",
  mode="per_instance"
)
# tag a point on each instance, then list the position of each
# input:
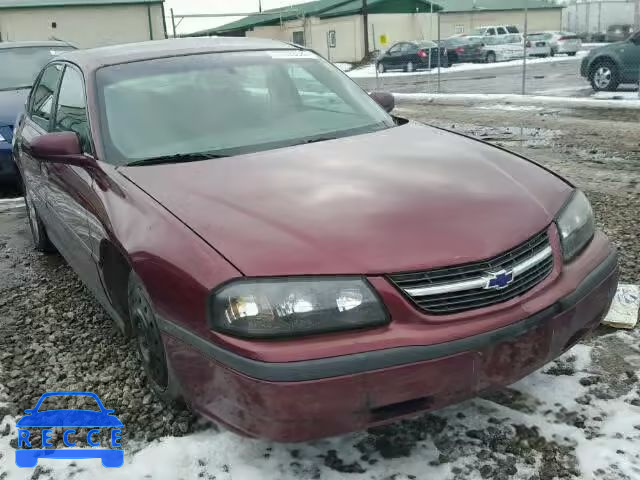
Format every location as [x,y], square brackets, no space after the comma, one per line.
[410,54]
[393,57]
[37,122]
[630,59]
[69,187]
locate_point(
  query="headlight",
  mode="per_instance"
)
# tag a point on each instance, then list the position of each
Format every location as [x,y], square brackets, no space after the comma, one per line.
[576,225]
[296,306]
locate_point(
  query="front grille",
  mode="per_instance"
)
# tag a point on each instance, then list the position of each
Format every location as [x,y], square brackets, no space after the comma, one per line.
[535,254]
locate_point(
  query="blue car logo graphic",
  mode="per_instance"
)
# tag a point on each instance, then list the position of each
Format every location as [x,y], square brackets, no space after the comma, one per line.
[69,420]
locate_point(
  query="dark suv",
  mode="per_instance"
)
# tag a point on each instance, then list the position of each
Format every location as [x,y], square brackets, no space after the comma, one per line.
[609,66]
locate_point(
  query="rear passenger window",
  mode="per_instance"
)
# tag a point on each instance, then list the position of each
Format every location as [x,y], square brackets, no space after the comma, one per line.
[41,106]
[71,114]
[501,31]
[491,31]
[512,29]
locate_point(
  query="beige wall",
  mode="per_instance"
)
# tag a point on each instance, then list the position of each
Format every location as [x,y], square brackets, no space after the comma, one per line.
[84,26]
[349,34]
[538,20]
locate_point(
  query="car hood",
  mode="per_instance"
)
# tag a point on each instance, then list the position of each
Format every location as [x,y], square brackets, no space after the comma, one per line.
[407,198]
[11,104]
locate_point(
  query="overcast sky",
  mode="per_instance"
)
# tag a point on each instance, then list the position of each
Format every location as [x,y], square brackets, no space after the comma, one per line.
[215,6]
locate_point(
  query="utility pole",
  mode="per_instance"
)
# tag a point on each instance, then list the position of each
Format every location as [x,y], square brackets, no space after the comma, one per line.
[365,20]
[173,23]
[260,6]
[636,16]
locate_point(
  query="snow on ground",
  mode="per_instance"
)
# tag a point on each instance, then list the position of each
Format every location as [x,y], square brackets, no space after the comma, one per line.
[11,203]
[512,108]
[530,100]
[633,96]
[345,67]
[370,70]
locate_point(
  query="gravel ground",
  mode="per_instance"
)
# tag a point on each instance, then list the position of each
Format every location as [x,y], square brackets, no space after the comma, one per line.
[578,417]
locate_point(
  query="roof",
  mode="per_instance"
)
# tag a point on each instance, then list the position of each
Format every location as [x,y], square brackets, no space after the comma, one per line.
[322,9]
[94,58]
[35,43]
[495,5]
[67,3]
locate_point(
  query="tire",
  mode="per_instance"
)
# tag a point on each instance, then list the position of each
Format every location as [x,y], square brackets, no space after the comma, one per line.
[490,58]
[410,67]
[39,235]
[150,347]
[604,76]
[381,68]
[572,54]
[553,52]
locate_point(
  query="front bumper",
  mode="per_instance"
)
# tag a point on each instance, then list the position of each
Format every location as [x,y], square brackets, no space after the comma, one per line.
[303,400]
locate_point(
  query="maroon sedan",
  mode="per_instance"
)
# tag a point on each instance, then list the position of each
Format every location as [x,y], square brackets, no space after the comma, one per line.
[294,261]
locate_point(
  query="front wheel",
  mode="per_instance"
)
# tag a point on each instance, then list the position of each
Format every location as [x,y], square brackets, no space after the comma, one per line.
[149,342]
[553,52]
[491,57]
[410,67]
[39,235]
[604,77]
[381,68]
[572,54]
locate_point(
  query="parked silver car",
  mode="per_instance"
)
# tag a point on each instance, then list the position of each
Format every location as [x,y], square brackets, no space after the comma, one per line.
[563,42]
[538,45]
[502,48]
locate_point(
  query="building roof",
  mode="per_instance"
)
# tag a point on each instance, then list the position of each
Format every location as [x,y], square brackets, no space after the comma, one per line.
[67,3]
[94,58]
[495,5]
[322,9]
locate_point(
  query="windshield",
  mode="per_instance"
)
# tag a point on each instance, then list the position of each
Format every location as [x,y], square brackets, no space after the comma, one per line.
[21,65]
[229,104]
[479,31]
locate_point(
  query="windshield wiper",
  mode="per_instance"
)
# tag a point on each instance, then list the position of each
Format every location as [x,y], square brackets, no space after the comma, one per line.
[177,158]
[317,140]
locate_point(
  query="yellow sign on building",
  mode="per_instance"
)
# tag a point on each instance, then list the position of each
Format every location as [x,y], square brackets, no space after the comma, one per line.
[383,40]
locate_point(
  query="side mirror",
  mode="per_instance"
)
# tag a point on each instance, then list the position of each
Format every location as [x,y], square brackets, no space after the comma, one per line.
[385,100]
[60,147]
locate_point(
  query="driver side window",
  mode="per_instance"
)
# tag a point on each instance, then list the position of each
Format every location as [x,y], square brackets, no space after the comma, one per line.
[43,95]
[395,50]
[71,114]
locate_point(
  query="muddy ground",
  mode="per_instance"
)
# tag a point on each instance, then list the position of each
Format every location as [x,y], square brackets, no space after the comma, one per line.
[564,421]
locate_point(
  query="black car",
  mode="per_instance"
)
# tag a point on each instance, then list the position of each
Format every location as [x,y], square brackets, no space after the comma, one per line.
[463,49]
[411,56]
[609,66]
[20,62]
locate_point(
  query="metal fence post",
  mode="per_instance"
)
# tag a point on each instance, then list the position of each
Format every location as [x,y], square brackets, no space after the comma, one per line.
[526,34]
[439,40]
